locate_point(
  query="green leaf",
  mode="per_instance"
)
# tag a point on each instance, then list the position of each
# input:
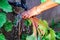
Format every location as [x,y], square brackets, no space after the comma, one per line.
[57,25]
[43,26]
[42,1]
[52,23]
[2,37]
[8,26]
[31,37]
[58,35]
[52,34]
[27,22]
[45,23]
[2,19]
[4,5]
[23,36]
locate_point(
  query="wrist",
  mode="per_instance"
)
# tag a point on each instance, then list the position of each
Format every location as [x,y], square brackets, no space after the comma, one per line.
[38,10]
[34,11]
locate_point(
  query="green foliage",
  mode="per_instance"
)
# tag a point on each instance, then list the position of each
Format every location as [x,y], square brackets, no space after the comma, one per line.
[42,1]
[53,24]
[45,23]
[2,37]
[57,35]
[27,22]
[4,5]
[52,33]
[31,37]
[2,19]
[43,26]
[23,37]
[8,26]
[57,25]
[49,34]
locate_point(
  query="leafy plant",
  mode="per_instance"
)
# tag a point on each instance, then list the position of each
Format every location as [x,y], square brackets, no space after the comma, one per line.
[8,26]
[50,35]
[57,35]
[43,30]
[2,19]
[4,5]
[53,24]
[43,26]
[2,37]
[27,22]
[31,37]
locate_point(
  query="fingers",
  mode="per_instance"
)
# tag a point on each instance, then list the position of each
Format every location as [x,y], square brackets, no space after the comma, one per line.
[25,14]
[34,21]
[34,28]
[28,14]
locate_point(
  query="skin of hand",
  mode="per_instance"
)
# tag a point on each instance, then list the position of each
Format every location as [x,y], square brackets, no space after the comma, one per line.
[29,13]
[38,9]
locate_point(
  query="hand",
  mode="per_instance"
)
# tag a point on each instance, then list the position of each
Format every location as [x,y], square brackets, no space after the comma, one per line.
[25,14]
[29,13]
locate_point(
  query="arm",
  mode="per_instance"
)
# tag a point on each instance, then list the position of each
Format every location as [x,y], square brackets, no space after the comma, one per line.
[40,8]
[44,6]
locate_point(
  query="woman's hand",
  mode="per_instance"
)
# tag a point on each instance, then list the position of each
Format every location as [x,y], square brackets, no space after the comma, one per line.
[30,13]
[38,9]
